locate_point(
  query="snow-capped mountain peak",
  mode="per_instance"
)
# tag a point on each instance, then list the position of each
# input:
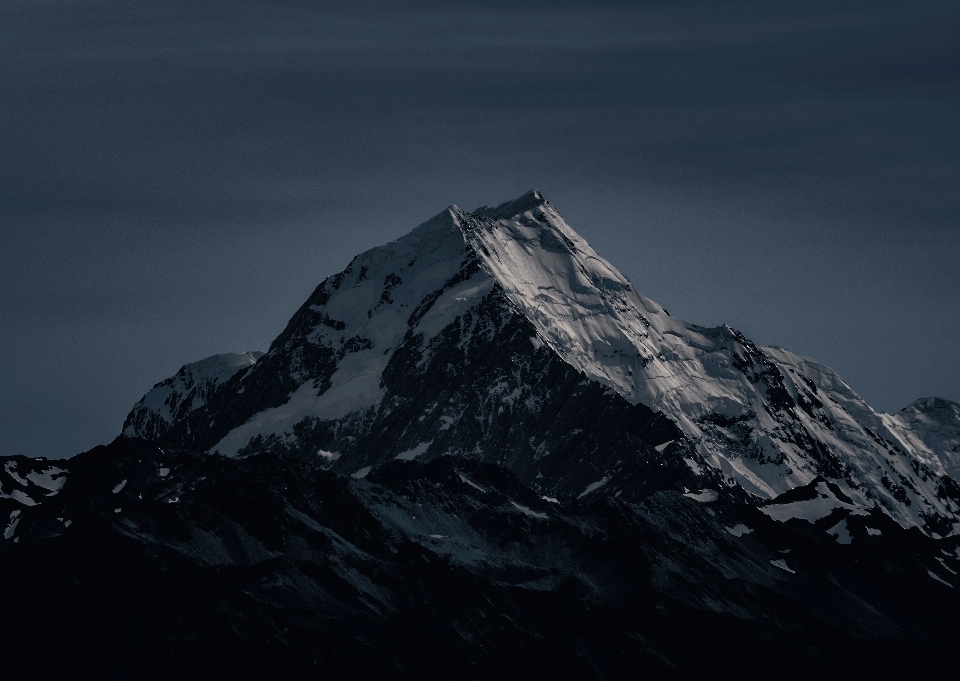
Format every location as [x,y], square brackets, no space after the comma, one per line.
[172,399]
[508,288]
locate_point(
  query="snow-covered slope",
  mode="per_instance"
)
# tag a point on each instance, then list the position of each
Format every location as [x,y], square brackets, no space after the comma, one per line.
[422,282]
[931,428]
[472,333]
[769,419]
[172,399]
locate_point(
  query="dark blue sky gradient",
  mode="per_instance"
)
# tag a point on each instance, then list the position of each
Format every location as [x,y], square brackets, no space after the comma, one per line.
[175,180]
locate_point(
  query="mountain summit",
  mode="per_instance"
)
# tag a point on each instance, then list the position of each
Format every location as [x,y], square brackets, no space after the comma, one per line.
[446,342]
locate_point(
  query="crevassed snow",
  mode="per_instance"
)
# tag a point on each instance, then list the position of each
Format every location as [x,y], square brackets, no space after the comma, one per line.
[703,496]
[120,486]
[529,511]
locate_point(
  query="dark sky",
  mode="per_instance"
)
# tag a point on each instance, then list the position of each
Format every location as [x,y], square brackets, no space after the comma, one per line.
[176,177]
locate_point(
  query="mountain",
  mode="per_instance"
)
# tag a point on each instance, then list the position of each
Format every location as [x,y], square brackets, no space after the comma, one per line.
[172,399]
[466,336]
[478,452]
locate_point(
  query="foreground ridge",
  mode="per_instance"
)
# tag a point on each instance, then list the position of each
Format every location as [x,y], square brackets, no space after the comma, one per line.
[150,562]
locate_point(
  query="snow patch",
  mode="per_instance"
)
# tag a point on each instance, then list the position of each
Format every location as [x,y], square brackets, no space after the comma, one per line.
[529,511]
[21,497]
[782,564]
[354,385]
[939,579]
[412,454]
[660,448]
[48,479]
[11,469]
[472,484]
[164,472]
[811,510]
[841,532]
[873,533]
[120,486]
[739,530]
[593,486]
[694,466]
[362,473]
[12,526]
[704,496]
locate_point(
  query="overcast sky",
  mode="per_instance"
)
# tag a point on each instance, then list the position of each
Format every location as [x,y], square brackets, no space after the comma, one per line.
[176,177]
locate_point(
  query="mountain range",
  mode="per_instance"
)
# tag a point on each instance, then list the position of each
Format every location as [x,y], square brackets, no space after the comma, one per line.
[479,452]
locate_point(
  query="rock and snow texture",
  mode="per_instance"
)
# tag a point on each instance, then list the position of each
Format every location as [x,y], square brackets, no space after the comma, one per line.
[29,481]
[388,345]
[931,427]
[187,390]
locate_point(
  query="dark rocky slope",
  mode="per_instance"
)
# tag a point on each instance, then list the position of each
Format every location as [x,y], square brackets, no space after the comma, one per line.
[268,567]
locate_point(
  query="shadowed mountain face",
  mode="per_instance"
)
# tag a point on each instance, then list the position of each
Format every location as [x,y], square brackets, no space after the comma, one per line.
[154,562]
[478,452]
